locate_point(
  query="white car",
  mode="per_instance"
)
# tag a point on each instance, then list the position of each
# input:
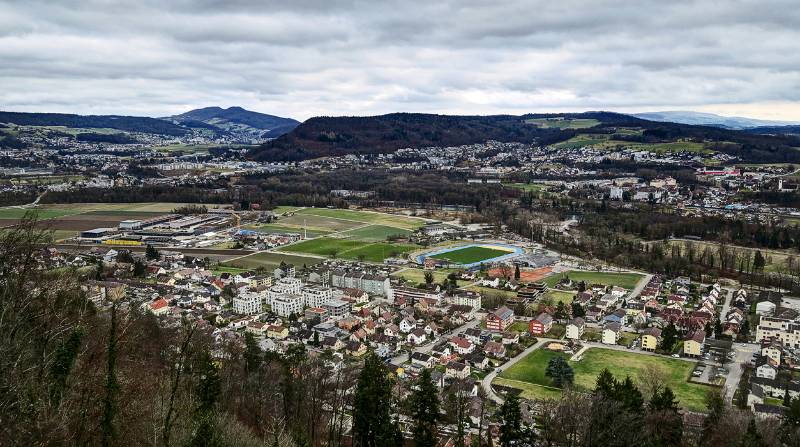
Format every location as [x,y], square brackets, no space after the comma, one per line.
[676,356]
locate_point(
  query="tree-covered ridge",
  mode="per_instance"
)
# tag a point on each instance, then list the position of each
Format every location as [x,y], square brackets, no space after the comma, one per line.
[126,123]
[336,136]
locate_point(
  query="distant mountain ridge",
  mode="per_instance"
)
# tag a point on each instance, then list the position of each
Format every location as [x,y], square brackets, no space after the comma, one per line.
[336,136]
[710,119]
[119,122]
[236,120]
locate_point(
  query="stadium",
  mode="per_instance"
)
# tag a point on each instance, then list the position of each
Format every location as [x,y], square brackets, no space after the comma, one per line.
[470,256]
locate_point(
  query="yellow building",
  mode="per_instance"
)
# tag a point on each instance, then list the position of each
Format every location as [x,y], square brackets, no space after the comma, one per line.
[694,344]
[650,339]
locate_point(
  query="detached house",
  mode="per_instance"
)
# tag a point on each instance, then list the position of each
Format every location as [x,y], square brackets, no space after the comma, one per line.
[693,345]
[575,328]
[500,319]
[417,337]
[457,370]
[541,324]
[611,333]
[650,339]
[423,360]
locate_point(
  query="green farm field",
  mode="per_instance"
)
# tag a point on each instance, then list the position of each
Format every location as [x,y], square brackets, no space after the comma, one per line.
[375,233]
[621,363]
[469,255]
[563,123]
[278,228]
[624,280]
[408,223]
[349,249]
[269,260]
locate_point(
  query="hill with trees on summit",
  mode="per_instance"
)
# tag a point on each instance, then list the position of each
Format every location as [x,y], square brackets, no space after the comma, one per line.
[337,136]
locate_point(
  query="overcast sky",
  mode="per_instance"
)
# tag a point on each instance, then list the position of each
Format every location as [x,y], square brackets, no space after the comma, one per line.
[302,58]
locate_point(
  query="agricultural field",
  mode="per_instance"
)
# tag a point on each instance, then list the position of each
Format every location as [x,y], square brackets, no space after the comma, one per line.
[470,255]
[314,222]
[269,260]
[624,280]
[375,233]
[563,123]
[391,220]
[278,228]
[531,370]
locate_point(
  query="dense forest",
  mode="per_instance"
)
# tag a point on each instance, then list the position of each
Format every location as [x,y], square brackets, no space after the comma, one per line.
[127,123]
[333,136]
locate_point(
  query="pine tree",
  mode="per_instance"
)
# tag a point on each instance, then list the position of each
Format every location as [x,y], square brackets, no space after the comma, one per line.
[559,370]
[107,427]
[516,272]
[605,384]
[252,353]
[425,411]
[511,419]
[151,253]
[577,310]
[751,438]
[669,337]
[208,389]
[664,400]
[372,421]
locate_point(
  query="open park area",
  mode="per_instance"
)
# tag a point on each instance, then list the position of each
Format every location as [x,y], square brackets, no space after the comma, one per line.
[529,376]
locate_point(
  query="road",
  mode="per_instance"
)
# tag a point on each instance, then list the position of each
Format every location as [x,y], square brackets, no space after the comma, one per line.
[426,348]
[726,305]
[641,285]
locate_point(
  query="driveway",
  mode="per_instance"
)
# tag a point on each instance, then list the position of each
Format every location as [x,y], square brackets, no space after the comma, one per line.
[744,353]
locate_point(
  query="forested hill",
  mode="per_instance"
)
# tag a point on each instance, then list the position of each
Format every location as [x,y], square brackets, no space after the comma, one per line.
[126,123]
[267,126]
[336,136]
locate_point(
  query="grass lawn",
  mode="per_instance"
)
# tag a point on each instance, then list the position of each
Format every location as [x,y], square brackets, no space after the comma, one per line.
[377,252]
[41,213]
[624,280]
[563,123]
[469,255]
[519,326]
[408,223]
[319,223]
[269,260]
[349,249]
[278,228]
[560,297]
[488,291]
[375,233]
[532,187]
[323,246]
[529,390]
[285,209]
[417,276]
[620,363]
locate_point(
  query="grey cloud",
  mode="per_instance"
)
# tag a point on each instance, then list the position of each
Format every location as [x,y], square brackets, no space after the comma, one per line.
[309,57]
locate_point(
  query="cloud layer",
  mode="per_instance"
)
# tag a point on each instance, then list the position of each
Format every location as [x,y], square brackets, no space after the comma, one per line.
[347,57]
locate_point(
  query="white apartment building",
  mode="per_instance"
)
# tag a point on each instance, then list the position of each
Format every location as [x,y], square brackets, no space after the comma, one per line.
[247,303]
[314,296]
[285,305]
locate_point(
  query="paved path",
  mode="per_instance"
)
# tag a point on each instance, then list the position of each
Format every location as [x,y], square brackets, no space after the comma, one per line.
[486,383]
[744,353]
[641,285]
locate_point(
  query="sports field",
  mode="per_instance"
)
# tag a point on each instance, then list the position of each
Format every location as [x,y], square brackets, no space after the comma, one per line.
[349,249]
[472,255]
[270,260]
[624,280]
[530,370]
